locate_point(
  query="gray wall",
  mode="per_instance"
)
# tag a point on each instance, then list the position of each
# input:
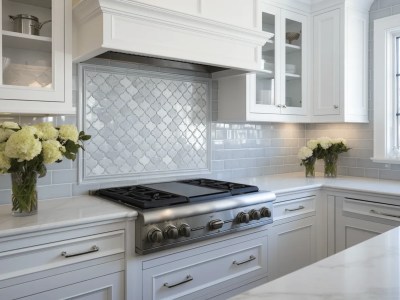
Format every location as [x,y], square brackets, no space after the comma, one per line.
[240,150]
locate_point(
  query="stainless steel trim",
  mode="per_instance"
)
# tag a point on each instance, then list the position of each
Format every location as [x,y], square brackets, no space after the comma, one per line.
[251,258]
[187,279]
[159,215]
[294,209]
[373,211]
[93,249]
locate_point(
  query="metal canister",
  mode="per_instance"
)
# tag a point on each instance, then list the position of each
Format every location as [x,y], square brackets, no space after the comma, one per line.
[27,24]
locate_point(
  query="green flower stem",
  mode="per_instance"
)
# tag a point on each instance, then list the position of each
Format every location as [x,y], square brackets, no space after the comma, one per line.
[24,194]
[309,165]
[330,169]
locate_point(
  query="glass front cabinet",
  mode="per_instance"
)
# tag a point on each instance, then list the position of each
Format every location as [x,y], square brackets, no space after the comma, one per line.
[36,57]
[280,88]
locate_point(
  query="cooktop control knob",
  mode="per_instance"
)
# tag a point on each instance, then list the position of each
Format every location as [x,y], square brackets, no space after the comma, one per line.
[155,235]
[255,214]
[171,232]
[216,224]
[265,212]
[243,217]
[184,230]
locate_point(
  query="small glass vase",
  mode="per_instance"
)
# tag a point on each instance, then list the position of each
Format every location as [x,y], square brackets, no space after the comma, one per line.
[309,165]
[330,169]
[24,195]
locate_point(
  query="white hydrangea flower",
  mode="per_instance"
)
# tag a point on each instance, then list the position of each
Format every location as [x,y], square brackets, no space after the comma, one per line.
[312,144]
[305,153]
[339,140]
[2,146]
[52,151]
[46,131]
[69,132]
[325,142]
[5,163]
[23,145]
[9,125]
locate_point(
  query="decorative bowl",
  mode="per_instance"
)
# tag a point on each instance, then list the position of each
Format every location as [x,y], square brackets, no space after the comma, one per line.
[292,36]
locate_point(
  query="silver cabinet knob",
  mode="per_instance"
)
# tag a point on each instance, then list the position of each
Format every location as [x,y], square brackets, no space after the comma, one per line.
[278,105]
[284,106]
[336,106]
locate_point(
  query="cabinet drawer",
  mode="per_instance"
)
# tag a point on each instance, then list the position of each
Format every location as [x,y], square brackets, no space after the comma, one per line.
[196,274]
[294,207]
[376,210]
[46,256]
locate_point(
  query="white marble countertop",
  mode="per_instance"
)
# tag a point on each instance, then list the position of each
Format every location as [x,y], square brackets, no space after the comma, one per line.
[63,212]
[291,182]
[370,270]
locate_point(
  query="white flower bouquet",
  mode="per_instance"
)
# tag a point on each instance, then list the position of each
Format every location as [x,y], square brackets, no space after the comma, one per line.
[324,148]
[308,158]
[25,151]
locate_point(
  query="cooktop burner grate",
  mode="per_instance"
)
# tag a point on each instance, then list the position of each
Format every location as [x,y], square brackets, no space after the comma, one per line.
[234,188]
[142,196]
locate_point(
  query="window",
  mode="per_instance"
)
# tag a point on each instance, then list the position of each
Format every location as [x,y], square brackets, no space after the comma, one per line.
[387,90]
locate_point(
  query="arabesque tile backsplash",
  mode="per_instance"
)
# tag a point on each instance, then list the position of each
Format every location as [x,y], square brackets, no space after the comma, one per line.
[240,150]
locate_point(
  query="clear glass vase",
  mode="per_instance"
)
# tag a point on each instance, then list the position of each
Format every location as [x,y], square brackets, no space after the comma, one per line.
[24,194]
[309,165]
[330,169]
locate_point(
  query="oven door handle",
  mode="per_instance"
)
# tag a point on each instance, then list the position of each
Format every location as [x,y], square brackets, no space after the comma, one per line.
[238,263]
[187,279]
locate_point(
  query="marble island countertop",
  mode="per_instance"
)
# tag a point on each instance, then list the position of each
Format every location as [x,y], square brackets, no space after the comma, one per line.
[62,212]
[370,270]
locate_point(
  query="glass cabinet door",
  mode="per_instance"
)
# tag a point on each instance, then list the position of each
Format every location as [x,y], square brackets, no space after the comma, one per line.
[293,94]
[266,93]
[32,50]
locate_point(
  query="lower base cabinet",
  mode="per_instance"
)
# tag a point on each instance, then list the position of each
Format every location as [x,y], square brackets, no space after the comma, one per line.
[293,237]
[109,287]
[81,262]
[358,219]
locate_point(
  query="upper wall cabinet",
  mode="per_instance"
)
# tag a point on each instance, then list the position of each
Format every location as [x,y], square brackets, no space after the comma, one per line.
[36,57]
[279,92]
[340,77]
[221,33]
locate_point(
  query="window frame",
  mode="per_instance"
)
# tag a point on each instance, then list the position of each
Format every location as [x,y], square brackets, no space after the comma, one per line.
[386,30]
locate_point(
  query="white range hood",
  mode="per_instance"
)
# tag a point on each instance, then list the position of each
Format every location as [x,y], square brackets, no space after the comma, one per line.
[220,33]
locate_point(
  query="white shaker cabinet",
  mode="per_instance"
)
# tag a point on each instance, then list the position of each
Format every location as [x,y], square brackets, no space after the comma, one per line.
[358,219]
[79,262]
[340,64]
[36,68]
[279,92]
[293,237]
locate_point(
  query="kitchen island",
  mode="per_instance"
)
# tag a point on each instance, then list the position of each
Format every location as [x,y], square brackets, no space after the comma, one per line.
[369,270]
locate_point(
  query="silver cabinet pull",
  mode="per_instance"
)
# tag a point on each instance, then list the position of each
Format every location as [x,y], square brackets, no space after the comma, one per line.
[252,257]
[373,211]
[187,279]
[294,209]
[284,106]
[93,249]
[278,105]
[336,106]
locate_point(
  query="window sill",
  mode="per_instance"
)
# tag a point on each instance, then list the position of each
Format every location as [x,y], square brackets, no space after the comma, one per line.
[388,160]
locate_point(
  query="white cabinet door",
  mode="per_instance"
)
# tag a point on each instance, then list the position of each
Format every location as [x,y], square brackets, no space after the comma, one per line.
[36,69]
[340,65]
[358,220]
[109,287]
[293,246]
[327,53]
